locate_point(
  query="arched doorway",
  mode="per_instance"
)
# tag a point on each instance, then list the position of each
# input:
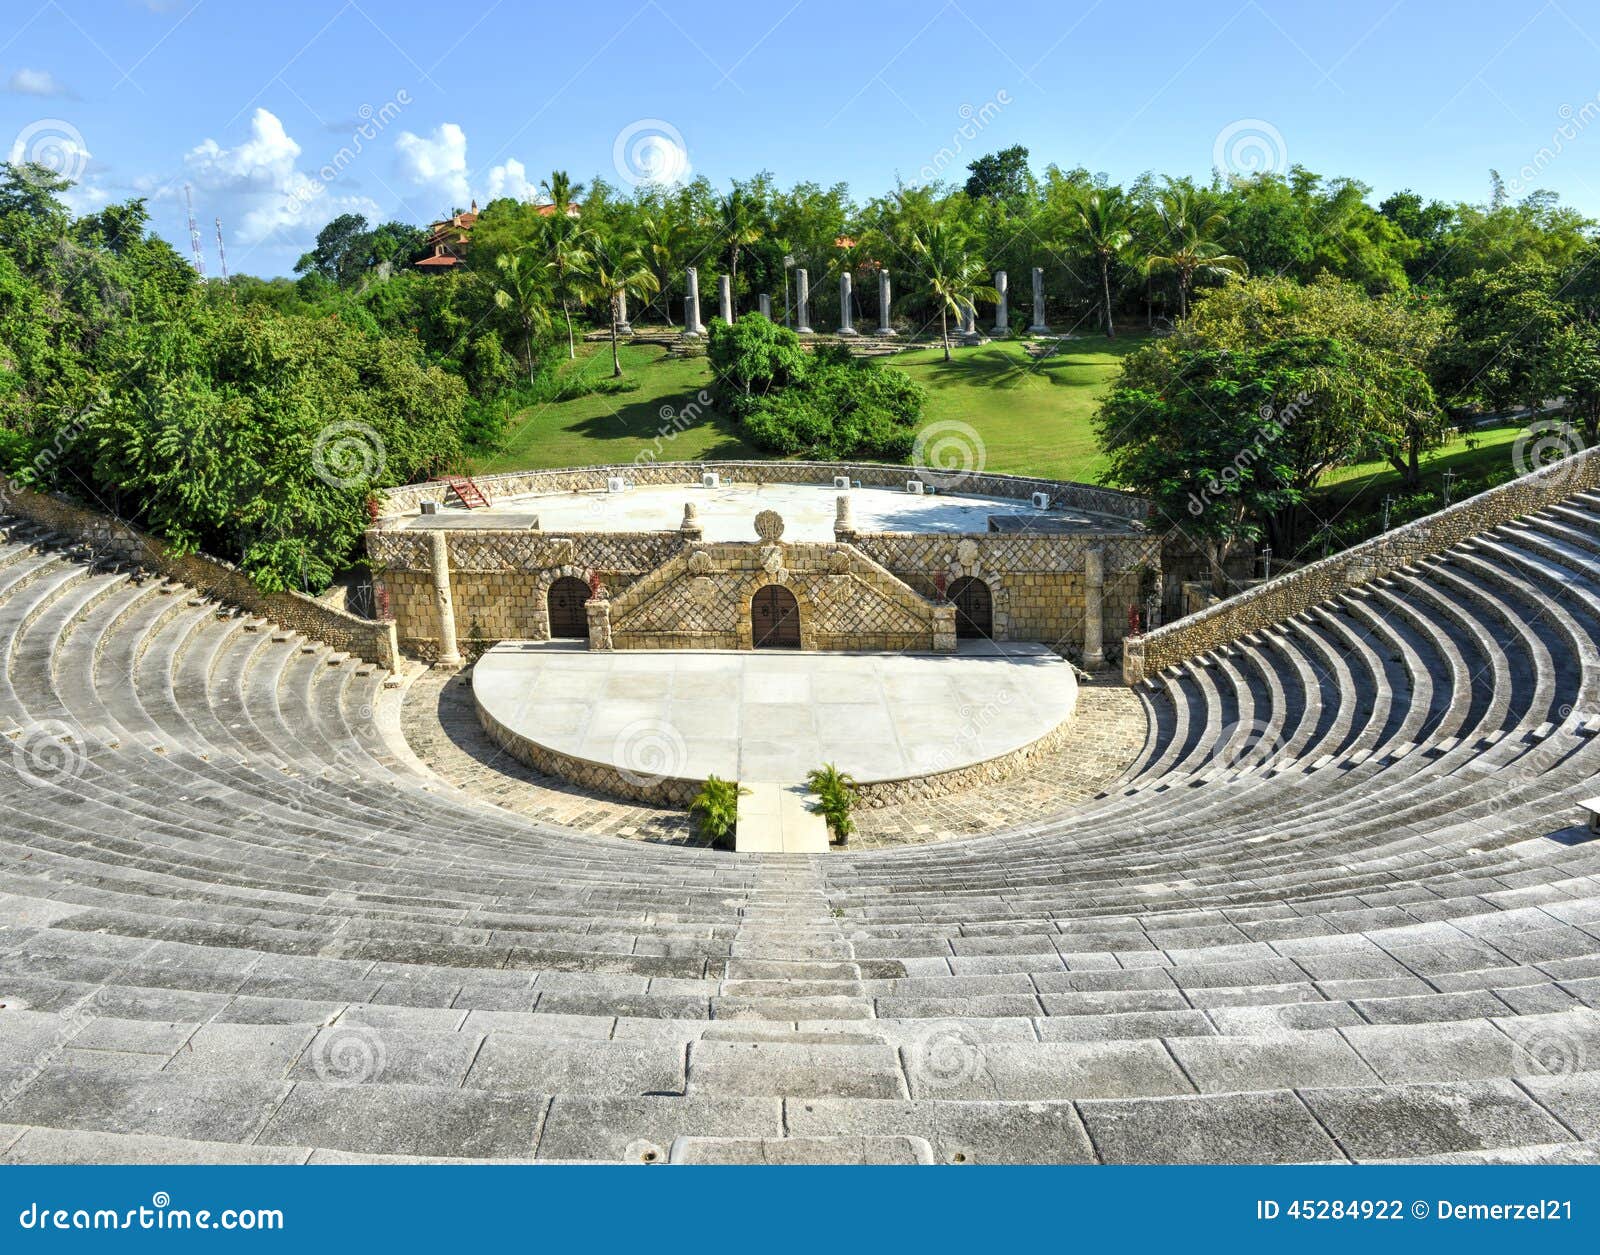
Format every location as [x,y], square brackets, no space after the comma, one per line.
[775,618]
[974,609]
[568,619]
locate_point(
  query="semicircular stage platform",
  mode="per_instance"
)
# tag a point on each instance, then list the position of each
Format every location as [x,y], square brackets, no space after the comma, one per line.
[652,725]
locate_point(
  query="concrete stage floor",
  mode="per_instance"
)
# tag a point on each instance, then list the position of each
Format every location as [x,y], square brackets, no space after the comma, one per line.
[772,716]
[728,512]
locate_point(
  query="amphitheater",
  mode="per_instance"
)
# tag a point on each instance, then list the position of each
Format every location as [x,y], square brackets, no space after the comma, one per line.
[1341,905]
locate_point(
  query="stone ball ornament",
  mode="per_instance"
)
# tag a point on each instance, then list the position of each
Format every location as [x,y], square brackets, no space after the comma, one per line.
[769,526]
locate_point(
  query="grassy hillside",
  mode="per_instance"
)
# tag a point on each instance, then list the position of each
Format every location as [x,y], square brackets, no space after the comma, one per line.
[1031,413]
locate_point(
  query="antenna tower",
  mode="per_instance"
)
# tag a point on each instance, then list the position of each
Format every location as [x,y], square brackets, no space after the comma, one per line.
[194,233]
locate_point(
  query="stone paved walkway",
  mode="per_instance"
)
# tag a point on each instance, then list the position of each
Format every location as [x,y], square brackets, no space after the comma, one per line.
[1106,734]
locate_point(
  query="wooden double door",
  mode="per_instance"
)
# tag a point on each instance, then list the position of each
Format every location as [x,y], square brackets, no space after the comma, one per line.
[775,618]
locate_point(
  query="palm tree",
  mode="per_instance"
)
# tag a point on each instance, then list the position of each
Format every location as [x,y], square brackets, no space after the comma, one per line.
[836,798]
[738,227]
[522,292]
[1104,224]
[561,191]
[1192,250]
[566,248]
[615,275]
[663,239]
[953,277]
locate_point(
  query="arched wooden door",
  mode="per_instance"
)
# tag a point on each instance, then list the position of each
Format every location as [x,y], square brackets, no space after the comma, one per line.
[775,618]
[568,619]
[974,609]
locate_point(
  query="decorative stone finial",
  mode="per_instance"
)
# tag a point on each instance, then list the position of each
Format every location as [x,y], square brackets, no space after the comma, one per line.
[769,526]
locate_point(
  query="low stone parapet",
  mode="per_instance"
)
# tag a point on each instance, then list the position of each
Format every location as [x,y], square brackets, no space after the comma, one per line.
[373,640]
[1277,600]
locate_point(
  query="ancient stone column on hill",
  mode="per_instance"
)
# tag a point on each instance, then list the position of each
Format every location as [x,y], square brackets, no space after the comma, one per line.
[691,306]
[1039,327]
[802,300]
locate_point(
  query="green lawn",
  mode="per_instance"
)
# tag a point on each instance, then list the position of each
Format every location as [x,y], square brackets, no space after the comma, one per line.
[1371,480]
[1032,414]
[616,428]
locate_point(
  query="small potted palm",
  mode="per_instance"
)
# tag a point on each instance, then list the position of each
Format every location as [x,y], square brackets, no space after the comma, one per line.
[717,806]
[836,798]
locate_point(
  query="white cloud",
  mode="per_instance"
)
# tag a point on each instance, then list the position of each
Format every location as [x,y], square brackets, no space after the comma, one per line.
[512,180]
[258,188]
[437,164]
[26,82]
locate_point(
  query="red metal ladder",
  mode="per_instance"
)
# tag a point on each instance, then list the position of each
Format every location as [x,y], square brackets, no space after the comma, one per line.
[471,496]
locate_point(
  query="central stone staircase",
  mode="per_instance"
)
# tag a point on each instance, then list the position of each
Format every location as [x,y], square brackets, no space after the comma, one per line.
[1342,908]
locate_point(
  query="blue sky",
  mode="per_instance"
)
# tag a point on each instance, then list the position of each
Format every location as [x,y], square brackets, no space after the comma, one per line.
[253,104]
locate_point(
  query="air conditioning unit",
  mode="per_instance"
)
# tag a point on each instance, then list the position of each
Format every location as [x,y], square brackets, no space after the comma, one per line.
[914,486]
[1041,501]
[841,481]
[711,479]
[430,507]
[616,483]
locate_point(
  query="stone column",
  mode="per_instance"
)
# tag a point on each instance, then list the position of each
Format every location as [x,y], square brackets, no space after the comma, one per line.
[690,527]
[1039,327]
[944,629]
[765,304]
[844,520]
[692,329]
[802,298]
[846,325]
[1002,317]
[725,298]
[624,327]
[1094,587]
[599,611]
[884,329]
[439,544]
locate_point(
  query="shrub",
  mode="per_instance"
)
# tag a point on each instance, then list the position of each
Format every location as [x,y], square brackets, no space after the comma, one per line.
[828,405]
[717,805]
[836,798]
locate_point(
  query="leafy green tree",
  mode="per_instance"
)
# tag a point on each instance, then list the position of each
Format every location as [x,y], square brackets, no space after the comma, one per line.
[1001,176]
[750,358]
[1392,343]
[1210,437]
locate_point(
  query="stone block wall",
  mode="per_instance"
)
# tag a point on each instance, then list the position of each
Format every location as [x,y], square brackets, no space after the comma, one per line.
[1283,598]
[372,640]
[500,580]
[1036,582]
[1063,493]
[702,600]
